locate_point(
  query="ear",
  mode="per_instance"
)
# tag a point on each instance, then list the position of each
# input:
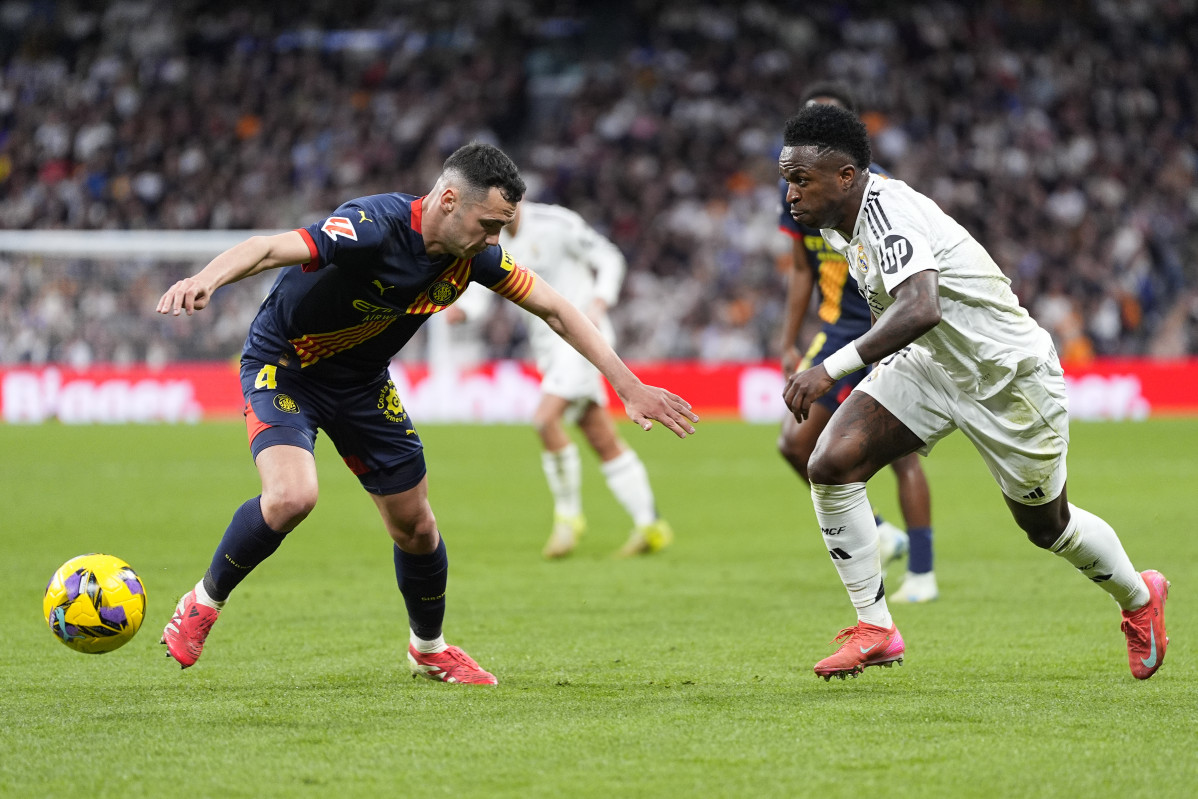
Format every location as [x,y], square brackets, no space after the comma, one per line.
[448,199]
[847,174]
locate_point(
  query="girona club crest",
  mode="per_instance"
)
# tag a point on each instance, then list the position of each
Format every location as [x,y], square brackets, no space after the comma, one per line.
[442,292]
[286,404]
[336,226]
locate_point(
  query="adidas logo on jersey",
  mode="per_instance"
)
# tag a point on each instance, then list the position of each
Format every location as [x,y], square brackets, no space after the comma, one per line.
[1037,494]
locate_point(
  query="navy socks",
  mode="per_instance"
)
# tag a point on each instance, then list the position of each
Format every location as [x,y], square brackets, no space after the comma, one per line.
[422,580]
[248,541]
[919,554]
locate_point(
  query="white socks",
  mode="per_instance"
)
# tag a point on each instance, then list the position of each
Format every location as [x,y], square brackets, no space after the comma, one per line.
[563,472]
[851,535]
[847,524]
[1092,546]
[203,598]
[629,482]
[428,647]
[626,478]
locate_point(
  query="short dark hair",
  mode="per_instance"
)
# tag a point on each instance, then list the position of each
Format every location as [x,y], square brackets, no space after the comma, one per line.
[830,127]
[840,92]
[483,167]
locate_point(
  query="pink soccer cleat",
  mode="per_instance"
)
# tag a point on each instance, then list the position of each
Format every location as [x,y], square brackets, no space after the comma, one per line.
[185,633]
[1145,628]
[864,645]
[451,665]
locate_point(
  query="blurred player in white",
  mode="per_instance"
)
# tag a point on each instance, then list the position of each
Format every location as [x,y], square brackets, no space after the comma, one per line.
[588,270]
[956,351]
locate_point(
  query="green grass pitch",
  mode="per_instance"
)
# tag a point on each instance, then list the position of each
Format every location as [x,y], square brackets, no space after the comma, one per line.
[687,673]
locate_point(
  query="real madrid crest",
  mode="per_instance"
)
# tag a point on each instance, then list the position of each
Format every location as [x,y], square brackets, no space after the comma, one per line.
[862,261]
[442,292]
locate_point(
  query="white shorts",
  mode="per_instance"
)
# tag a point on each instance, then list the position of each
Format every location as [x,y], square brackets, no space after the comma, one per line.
[566,374]
[1022,432]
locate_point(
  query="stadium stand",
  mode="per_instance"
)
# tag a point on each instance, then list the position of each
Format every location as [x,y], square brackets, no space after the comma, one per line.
[1063,135]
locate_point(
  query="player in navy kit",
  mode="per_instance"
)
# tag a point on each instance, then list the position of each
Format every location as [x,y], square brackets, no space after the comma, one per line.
[845,317]
[359,285]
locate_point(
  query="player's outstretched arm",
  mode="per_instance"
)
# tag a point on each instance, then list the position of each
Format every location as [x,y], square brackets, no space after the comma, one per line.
[643,403]
[798,297]
[255,254]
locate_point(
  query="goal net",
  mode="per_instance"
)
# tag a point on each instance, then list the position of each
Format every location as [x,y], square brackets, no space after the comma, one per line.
[81,341]
[79,298]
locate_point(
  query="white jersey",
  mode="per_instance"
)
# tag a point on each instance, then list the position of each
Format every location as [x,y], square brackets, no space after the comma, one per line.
[568,254]
[985,337]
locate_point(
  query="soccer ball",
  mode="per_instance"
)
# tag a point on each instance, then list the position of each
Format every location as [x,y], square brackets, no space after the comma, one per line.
[94,603]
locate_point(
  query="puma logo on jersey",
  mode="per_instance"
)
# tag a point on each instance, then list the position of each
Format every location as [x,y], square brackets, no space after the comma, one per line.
[379,285]
[364,217]
[336,226]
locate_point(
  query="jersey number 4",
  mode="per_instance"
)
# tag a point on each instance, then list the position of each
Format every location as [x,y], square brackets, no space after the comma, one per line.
[266,378]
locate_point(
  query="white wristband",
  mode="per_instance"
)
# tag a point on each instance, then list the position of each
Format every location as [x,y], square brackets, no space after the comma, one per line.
[844,361]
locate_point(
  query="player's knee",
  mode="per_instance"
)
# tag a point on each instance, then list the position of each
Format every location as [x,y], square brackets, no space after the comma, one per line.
[824,468]
[285,507]
[1044,531]
[416,532]
[796,456]
[1043,537]
[544,423]
[1043,524]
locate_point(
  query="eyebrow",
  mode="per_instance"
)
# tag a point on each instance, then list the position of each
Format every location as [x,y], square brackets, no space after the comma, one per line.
[796,171]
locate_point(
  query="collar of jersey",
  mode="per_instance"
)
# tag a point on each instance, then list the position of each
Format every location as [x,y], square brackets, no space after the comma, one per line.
[418,215]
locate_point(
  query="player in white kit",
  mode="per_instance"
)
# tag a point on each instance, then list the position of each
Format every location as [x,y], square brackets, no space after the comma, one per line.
[587,270]
[956,351]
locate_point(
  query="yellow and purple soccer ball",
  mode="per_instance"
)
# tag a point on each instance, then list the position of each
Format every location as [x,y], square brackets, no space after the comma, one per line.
[94,603]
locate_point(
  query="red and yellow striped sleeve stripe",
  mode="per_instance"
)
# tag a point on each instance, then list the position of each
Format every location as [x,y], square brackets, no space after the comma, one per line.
[518,283]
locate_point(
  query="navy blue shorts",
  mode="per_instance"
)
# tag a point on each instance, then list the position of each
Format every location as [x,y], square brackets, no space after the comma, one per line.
[365,421]
[827,341]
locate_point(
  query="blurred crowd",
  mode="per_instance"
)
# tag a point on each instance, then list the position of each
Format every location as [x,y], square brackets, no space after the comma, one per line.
[1062,135]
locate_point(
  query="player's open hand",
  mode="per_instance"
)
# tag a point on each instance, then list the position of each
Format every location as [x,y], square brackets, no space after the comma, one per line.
[188,295]
[647,403]
[805,387]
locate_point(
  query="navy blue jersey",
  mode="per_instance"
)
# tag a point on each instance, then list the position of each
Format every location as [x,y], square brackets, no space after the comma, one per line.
[368,287]
[839,302]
